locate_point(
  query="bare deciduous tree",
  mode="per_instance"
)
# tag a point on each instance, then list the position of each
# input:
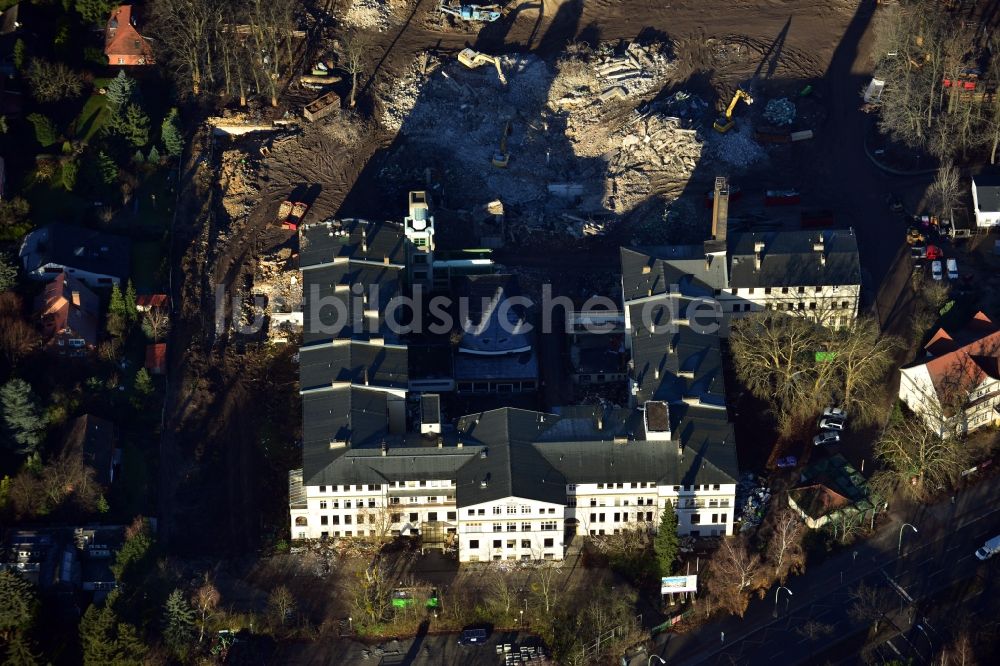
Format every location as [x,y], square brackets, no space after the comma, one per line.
[281,603]
[356,51]
[959,652]
[784,547]
[734,573]
[371,592]
[206,600]
[156,323]
[870,604]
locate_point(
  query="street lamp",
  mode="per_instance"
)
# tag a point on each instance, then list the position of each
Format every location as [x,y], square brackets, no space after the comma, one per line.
[652,657]
[776,593]
[899,544]
[521,612]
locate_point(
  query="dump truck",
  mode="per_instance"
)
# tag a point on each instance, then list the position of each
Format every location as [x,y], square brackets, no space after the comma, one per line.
[290,214]
[321,107]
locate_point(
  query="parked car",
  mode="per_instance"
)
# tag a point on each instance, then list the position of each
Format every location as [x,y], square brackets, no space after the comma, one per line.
[918,251]
[787,462]
[473,637]
[831,423]
[936,270]
[835,412]
[952,269]
[826,438]
[934,252]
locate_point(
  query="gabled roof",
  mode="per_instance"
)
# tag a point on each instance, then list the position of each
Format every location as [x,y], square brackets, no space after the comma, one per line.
[66,304]
[121,38]
[794,259]
[95,439]
[965,359]
[156,357]
[77,247]
[151,300]
[817,500]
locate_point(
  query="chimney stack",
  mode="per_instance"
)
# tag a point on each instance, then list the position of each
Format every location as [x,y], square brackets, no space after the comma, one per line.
[720,209]
[76,298]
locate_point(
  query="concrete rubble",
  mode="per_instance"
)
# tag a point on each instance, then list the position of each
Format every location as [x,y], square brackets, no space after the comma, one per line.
[737,147]
[278,283]
[370,14]
[752,499]
[633,73]
[780,112]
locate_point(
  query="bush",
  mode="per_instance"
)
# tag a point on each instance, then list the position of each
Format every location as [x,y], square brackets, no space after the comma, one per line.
[68,175]
[45,130]
[52,82]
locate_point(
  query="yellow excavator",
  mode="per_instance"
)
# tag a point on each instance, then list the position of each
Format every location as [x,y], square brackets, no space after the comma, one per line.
[473,59]
[724,123]
[502,157]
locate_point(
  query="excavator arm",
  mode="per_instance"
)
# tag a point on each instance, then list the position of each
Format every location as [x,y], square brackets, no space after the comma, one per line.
[724,123]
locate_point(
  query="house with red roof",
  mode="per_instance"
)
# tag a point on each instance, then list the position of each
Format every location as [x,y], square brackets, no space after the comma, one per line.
[156,358]
[68,313]
[957,387]
[148,302]
[123,45]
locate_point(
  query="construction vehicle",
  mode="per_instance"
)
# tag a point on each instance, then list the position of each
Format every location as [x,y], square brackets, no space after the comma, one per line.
[724,123]
[501,158]
[290,214]
[484,13]
[474,59]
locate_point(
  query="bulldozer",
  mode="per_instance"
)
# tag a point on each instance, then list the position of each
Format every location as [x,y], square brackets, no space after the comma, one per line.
[502,157]
[484,13]
[724,123]
[473,59]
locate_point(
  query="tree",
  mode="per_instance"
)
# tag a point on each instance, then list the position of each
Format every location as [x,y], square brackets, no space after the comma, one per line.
[52,82]
[734,573]
[545,583]
[8,272]
[95,12]
[206,600]
[170,132]
[45,130]
[784,547]
[371,592]
[178,623]
[356,51]
[17,336]
[959,652]
[156,325]
[18,604]
[19,652]
[131,309]
[105,639]
[143,383]
[188,32]
[135,551]
[154,156]
[281,603]
[869,604]
[107,167]
[19,54]
[68,174]
[920,460]
[863,357]
[118,316]
[135,126]
[665,543]
[120,91]
[23,426]
[944,192]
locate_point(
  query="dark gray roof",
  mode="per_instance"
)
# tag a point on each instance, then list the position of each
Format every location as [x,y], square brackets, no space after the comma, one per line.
[321,242]
[368,465]
[686,268]
[987,191]
[77,247]
[94,439]
[430,408]
[485,332]
[792,259]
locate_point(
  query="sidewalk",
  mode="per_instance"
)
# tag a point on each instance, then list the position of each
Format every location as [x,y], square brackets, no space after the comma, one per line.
[823,590]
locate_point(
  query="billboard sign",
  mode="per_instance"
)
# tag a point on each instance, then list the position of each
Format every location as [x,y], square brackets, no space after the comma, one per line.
[677,584]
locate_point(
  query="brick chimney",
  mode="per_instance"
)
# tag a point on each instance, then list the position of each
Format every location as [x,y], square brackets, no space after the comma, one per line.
[75,298]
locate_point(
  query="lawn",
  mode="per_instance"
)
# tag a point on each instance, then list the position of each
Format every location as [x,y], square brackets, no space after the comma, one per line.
[91,118]
[52,203]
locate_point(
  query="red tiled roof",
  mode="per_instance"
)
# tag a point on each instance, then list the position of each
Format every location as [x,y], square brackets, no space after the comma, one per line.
[121,37]
[151,300]
[962,368]
[156,357]
[817,500]
[67,305]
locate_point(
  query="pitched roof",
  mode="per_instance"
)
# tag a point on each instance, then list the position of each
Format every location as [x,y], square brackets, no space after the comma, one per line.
[95,439]
[151,300]
[965,359]
[84,249]
[794,258]
[817,500]
[121,38]
[156,357]
[67,305]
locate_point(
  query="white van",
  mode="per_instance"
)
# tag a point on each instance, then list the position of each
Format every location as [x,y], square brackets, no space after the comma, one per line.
[952,269]
[989,549]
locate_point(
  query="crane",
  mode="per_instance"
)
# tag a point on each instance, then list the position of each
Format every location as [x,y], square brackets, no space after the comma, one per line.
[473,59]
[724,123]
[485,13]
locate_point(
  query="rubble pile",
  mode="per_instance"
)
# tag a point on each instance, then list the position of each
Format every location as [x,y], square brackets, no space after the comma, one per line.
[737,147]
[633,73]
[780,112]
[752,498]
[370,14]
[572,149]
[238,183]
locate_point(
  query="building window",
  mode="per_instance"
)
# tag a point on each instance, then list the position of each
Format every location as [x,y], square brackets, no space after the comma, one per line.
[414,518]
[497,527]
[347,504]
[322,489]
[715,518]
[497,510]
[423,484]
[347,520]
[481,512]
[322,505]
[511,527]
[452,515]
[396,517]
[571,487]
[548,543]
[432,515]
[512,543]
[593,517]
[335,520]
[552,511]
[550,526]
[593,501]
[716,486]
[470,512]
[525,527]
[496,543]
[525,509]
[511,510]
[323,520]
[695,519]
[571,502]
[525,543]
[474,543]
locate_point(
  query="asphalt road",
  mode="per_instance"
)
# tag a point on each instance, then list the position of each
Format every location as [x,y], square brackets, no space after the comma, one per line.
[936,558]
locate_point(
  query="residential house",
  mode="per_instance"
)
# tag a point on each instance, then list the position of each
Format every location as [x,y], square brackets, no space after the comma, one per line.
[833,493]
[68,312]
[64,558]
[148,302]
[96,440]
[156,358]
[986,199]
[123,45]
[96,258]
[956,388]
